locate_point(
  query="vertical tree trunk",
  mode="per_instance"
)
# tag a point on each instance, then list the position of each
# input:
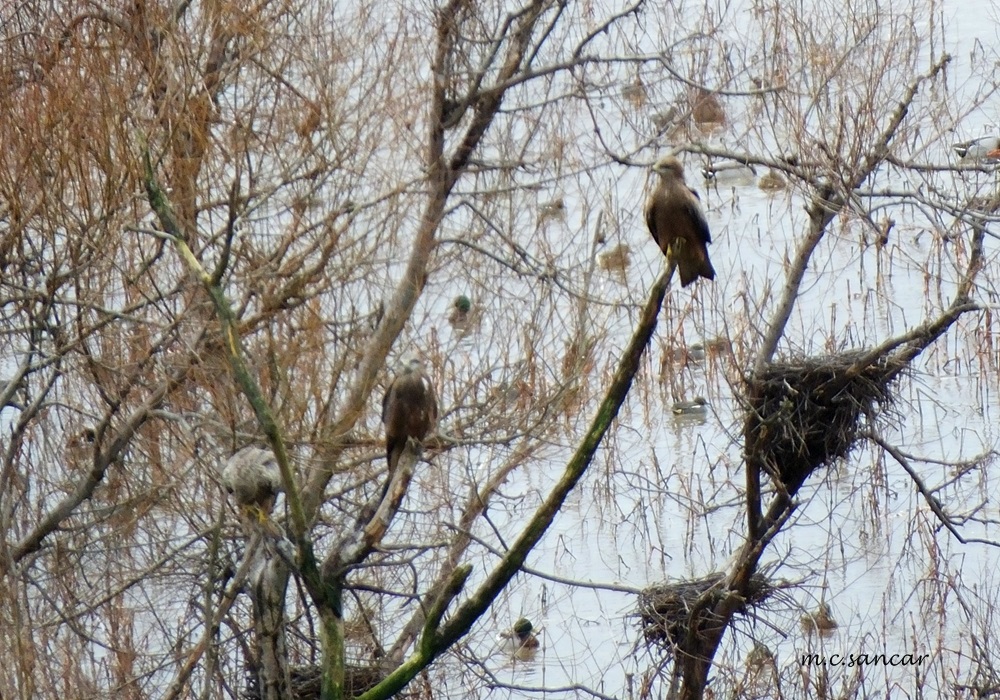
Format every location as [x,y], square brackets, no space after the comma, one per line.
[268,584]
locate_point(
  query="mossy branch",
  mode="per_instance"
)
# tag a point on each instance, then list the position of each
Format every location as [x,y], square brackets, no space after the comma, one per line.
[455,585]
[174,229]
[627,368]
[434,642]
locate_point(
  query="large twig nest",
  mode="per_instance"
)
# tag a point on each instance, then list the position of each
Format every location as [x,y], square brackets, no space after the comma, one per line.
[306,681]
[665,608]
[802,414]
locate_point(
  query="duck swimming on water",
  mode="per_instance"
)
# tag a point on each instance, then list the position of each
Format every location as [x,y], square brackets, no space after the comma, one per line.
[978,149]
[520,640]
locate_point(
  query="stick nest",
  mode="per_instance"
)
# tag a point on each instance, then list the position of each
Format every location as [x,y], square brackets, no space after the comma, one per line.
[306,681]
[665,608]
[805,413]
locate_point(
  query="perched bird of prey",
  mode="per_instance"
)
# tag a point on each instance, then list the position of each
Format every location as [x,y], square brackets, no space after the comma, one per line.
[674,217]
[253,479]
[978,149]
[409,410]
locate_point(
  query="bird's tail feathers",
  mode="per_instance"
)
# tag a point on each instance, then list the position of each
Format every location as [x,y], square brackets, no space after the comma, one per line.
[691,269]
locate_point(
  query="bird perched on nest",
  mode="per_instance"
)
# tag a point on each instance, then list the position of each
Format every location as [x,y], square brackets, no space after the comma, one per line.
[409,410]
[520,640]
[675,218]
[253,479]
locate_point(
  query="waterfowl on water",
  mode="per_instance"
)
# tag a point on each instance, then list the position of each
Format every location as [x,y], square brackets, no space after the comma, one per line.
[820,621]
[718,345]
[462,315]
[730,173]
[615,259]
[693,353]
[677,223]
[697,352]
[978,149]
[697,406]
[520,639]
[772,181]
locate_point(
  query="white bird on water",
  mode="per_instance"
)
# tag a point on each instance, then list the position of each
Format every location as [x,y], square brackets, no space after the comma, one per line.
[985,148]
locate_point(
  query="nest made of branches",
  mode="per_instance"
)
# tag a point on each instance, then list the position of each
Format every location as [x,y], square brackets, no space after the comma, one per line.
[665,608]
[306,681]
[802,414]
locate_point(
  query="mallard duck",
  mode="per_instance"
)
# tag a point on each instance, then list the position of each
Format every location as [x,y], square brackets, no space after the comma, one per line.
[697,406]
[772,181]
[706,110]
[978,149]
[615,259]
[730,174]
[819,621]
[460,315]
[693,353]
[520,640]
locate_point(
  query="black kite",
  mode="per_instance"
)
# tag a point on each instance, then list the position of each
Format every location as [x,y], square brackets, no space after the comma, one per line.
[409,410]
[675,218]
